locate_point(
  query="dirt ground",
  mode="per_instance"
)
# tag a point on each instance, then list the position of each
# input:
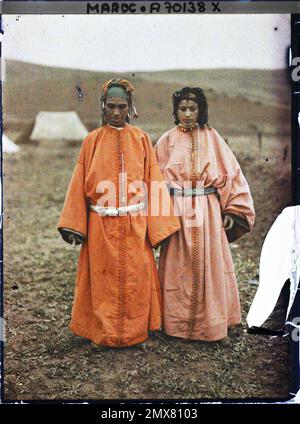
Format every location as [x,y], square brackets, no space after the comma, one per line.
[43,360]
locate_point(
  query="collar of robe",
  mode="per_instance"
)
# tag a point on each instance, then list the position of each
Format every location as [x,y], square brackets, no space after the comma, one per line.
[183,129]
[117,128]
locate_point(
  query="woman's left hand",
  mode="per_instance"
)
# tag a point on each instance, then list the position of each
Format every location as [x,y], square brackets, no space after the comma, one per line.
[228,222]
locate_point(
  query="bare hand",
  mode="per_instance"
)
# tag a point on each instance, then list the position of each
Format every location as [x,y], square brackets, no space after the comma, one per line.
[228,222]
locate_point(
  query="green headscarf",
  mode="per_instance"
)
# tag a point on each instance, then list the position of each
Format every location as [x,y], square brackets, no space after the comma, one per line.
[117,91]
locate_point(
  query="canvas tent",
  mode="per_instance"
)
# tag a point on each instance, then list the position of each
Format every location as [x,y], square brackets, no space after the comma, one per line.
[279,262]
[58,126]
[8,146]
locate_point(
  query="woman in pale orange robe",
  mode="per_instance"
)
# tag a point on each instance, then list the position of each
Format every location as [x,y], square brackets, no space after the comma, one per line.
[213,201]
[117,293]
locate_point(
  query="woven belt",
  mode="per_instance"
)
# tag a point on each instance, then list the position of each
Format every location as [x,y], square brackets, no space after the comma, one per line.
[111,211]
[192,191]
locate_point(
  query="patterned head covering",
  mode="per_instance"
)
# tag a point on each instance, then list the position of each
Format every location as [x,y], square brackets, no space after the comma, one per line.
[117,82]
[119,87]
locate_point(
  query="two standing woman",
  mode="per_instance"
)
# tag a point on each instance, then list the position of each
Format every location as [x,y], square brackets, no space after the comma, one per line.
[118,293]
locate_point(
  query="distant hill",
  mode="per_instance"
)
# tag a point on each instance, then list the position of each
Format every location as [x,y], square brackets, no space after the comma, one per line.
[238,99]
[268,87]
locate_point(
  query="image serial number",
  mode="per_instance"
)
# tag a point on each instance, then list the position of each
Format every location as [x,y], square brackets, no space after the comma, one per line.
[188,7]
[171,413]
[185,7]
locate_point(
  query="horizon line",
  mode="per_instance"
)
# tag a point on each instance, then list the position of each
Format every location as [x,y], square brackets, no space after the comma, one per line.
[144,70]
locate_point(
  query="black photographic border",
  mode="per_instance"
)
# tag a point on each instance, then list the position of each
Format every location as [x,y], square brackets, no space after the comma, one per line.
[138,405]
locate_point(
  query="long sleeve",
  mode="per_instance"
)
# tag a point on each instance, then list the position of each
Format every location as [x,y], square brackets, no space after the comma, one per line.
[236,201]
[74,214]
[161,154]
[161,219]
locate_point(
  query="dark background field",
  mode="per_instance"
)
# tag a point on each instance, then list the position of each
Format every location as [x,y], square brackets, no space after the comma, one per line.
[43,360]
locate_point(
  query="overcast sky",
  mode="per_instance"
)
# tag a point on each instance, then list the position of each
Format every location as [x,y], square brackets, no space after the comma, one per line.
[147,42]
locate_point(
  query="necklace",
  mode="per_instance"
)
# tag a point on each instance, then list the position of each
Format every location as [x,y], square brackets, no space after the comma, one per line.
[181,128]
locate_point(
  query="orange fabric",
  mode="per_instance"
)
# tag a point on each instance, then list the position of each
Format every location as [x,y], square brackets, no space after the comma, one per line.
[117,294]
[196,271]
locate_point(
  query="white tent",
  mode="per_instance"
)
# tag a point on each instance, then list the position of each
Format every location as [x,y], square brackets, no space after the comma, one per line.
[8,146]
[279,261]
[58,126]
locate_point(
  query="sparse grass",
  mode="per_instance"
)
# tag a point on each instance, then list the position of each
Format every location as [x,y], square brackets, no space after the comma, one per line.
[43,360]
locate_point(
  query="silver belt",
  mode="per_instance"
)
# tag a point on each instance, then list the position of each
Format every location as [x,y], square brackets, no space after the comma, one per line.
[111,211]
[192,191]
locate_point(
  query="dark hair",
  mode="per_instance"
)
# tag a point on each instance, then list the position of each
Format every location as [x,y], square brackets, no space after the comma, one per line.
[199,98]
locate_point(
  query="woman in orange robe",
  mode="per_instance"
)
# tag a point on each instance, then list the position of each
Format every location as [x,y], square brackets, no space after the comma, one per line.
[212,198]
[117,293]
